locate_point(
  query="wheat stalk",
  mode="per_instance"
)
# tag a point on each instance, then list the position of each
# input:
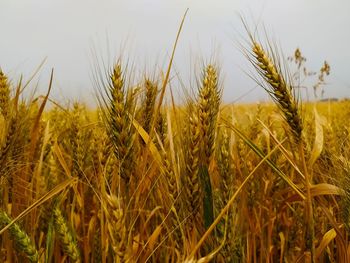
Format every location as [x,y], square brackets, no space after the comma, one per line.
[280,90]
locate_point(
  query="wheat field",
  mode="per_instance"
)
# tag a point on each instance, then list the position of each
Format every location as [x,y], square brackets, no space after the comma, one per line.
[138,180]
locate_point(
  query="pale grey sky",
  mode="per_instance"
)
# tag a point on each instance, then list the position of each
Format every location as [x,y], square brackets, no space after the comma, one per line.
[66,30]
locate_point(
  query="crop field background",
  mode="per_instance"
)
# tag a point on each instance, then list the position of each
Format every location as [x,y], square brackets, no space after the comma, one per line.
[144,179]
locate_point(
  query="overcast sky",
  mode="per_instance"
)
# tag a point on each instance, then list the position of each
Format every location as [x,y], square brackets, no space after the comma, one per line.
[65,31]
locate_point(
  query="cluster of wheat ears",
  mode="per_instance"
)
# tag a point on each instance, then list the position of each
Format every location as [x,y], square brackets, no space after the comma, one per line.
[138,180]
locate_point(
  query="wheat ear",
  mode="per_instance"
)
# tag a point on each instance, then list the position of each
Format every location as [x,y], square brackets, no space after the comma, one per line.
[278,88]
[21,239]
[4,95]
[208,103]
[65,235]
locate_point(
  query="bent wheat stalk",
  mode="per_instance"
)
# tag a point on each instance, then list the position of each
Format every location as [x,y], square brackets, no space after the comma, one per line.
[270,70]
